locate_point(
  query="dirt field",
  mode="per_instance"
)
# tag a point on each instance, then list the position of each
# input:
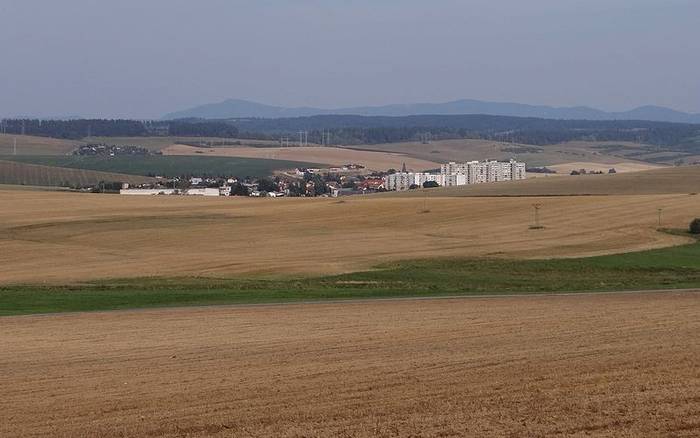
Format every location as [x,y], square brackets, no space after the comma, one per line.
[30,145]
[37,175]
[621,167]
[612,365]
[325,155]
[74,237]
[467,150]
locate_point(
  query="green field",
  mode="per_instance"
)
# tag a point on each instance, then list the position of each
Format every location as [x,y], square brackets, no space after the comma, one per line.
[670,268]
[168,166]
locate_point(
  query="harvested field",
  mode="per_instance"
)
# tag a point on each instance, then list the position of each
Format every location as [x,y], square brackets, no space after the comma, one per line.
[37,175]
[684,179]
[76,237]
[326,155]
[159,143]
[30,145]
[608,365]
[545,155]
[621,167]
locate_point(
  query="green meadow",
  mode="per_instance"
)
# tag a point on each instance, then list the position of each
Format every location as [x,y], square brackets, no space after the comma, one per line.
[669,268]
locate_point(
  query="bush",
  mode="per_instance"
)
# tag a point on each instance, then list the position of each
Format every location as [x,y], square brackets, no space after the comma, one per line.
[695,226]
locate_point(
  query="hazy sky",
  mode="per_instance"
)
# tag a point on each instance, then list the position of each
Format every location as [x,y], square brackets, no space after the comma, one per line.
[143,58]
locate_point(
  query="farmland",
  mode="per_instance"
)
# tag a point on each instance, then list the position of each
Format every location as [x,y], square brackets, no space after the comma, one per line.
[79,238]
[166,166]
[327,155]
[609,364]
[675,267]
[614,365]
[30,145]
[684,179]
[156,144]
[18,173]
[542,155]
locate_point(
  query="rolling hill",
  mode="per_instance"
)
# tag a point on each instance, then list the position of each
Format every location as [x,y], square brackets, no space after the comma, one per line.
[669,180]
[238,108]
[32,145]
[16,173]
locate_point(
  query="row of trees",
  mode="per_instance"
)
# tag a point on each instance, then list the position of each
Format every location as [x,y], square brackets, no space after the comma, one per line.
[351,130]
[82,128]
[347,129]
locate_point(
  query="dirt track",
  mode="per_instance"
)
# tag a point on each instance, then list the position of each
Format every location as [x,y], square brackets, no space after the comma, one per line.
[608,365]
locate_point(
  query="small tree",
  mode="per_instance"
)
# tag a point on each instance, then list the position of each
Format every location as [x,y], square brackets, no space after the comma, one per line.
[695,226]
[239,189]
[267,185]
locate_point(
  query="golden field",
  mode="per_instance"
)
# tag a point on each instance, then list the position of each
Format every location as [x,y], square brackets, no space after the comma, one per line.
[57,237]
[471,149]
[24,174]
[621,167]
[331,156]
[32,145]
[620,365]
[605,365]
[666,180]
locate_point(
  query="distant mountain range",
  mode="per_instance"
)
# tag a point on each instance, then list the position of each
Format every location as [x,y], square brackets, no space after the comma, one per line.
[236,109]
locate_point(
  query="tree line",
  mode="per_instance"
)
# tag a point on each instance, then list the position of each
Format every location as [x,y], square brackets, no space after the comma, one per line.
[354,130]
[357,130]
[84,128]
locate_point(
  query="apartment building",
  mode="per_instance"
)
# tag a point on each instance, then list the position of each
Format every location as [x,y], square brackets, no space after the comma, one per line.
[459,174]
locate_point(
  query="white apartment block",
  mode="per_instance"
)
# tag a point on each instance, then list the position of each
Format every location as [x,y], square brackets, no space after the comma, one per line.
[399,181]
[459,174]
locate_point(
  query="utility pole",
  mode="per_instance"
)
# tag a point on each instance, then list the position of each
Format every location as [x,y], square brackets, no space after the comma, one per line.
[14,145]
[537,225]
[660,211]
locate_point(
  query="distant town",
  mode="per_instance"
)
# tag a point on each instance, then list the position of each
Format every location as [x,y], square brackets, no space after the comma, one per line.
[347,180]
[457,174]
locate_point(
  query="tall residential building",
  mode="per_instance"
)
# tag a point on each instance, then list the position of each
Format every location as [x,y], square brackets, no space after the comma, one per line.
[460,174]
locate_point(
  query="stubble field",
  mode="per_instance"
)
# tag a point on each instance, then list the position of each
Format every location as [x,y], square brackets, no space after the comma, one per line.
[609,365]
[50,237]
[16,173]
[534,155]
[33,145]
[665,180]
[332,156]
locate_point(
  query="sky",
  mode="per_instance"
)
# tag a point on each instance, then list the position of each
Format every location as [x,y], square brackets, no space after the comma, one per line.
[145,58]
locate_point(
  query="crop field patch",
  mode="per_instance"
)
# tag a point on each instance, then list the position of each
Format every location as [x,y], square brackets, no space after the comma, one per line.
[328,156]
[168,166]
[18,173]
[607,365]
[303,236]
